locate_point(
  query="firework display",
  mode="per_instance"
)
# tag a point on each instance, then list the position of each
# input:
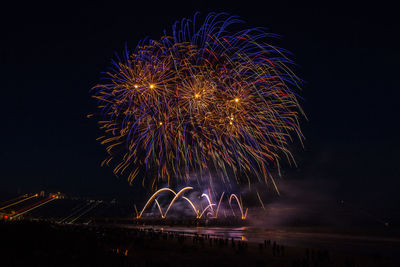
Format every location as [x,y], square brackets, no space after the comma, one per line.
[208,211]
[214,99]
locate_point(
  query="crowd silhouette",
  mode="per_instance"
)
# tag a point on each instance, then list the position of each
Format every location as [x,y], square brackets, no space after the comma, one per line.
[50,244]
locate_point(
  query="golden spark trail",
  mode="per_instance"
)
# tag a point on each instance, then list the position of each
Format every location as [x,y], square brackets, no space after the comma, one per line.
[192,205]
[15,203]
[233,196]
[12,200]
[199,215]
[34,207]
[219,204]
[175,197]
[159,208]
[209,201]
[160,191]
[86,211]
[208,207]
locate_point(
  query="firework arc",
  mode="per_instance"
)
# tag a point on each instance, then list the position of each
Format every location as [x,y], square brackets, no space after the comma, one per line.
[239,202]
[149,201]
[198,212]
[175,198]
[207,99]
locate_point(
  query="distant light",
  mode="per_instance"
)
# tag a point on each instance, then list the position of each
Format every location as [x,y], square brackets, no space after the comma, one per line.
[5,217]
[136,86]
[196,95]
[160,123]
[230,123]
[236,99]
[151,86]
[53,196]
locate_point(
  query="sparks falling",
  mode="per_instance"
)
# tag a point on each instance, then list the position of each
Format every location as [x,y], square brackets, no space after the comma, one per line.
[205,99]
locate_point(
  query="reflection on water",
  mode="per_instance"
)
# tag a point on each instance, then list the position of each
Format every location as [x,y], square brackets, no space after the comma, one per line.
[293,237]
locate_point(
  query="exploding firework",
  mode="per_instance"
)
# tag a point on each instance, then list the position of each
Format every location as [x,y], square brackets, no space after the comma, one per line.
[208,99]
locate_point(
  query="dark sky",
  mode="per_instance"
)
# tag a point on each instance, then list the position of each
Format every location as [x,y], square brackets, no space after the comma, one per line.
[51,55]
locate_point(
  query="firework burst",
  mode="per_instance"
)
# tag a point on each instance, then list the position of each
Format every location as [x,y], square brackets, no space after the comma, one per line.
[204,100]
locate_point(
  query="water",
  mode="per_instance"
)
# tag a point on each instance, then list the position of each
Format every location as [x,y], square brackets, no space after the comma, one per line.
[297,237]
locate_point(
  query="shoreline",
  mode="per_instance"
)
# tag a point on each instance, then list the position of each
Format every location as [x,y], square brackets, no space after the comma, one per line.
[119,246]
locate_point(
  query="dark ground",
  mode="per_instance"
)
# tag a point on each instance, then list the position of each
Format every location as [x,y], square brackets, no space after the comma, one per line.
[46,244]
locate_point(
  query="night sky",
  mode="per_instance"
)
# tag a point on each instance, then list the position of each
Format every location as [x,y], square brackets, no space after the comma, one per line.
[51,55]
